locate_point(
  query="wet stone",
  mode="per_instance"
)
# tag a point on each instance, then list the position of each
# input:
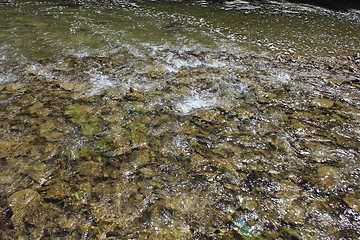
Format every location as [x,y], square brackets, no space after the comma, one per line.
[329,178]
[353,202]
[58,191]
[12,149]
[232,187]
[243,114]
[210,116]
[142,157]
[323,103]
[31,214]
[121,147]
[22,203]
[14,86]
[155,71]
[249,203]
[295,214]
[36,108]
[119,163]
[47,127]
[7,148]
[40,173]
[5,180]
[148,172]
[134,96]
[90,169]
[64,69]
[67,86]
[343,81]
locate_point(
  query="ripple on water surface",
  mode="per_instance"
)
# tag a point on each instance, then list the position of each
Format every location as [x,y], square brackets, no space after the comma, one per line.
[177,134]
[42,29]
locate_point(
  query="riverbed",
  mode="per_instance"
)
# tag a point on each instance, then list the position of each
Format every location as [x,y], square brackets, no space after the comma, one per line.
[178,120]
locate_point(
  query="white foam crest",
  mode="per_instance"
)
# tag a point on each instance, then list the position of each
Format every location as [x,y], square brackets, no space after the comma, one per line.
[8,77]
[175,63]
[194,101]
[3,78]
[280,77]
[179,142]
[46,73]
[100,82]
[236,87]
[283,77]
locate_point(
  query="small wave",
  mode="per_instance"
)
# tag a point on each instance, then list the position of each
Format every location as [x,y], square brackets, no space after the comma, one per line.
[99,82]
[194,101]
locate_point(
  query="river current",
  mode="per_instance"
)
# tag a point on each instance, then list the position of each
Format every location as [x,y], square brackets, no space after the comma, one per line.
[178,120]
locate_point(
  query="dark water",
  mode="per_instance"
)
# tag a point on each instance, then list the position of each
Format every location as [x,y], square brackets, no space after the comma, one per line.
[168,120]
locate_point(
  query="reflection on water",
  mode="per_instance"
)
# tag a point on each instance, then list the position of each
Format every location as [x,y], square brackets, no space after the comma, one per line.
[178,121]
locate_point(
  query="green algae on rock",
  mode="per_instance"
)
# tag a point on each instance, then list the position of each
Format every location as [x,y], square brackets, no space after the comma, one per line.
[279,156]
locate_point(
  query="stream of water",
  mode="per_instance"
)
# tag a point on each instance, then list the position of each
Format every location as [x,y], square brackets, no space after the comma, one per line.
[178,120]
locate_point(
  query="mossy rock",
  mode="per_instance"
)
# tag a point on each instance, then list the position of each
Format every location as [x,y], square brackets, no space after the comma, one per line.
[136,132]
[85,117]
[90,127]
[95,150]
[102,144]
[58,191]
[77,110]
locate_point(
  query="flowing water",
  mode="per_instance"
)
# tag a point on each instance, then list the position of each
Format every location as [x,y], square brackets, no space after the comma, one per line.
[178,120]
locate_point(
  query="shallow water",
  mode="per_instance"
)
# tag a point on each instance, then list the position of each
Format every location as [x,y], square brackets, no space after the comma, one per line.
[178,121]
[46,28]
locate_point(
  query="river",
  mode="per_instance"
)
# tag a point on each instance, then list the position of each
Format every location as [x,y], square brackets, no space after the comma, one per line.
[178,120]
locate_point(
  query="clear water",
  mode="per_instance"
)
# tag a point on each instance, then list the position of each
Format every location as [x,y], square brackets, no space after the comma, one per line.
[46,28]
[178,120]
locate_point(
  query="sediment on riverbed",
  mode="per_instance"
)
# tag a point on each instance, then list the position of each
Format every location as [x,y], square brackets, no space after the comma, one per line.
[168,120]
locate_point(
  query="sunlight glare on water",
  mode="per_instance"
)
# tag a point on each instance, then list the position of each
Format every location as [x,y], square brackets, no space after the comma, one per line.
[178,120]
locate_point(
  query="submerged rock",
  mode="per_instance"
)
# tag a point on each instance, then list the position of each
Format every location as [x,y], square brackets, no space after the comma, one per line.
[134,96]
[24,205]
[155,71]
[58,191]
[323,103]
[186,150]
[13,149]
[243,114]
[31,214]
[121,146]
[14,86]
[353,202]
[7,148]
[329,178]
[64,69]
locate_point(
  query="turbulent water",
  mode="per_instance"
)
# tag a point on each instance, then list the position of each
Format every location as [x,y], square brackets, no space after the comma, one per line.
[178,120]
